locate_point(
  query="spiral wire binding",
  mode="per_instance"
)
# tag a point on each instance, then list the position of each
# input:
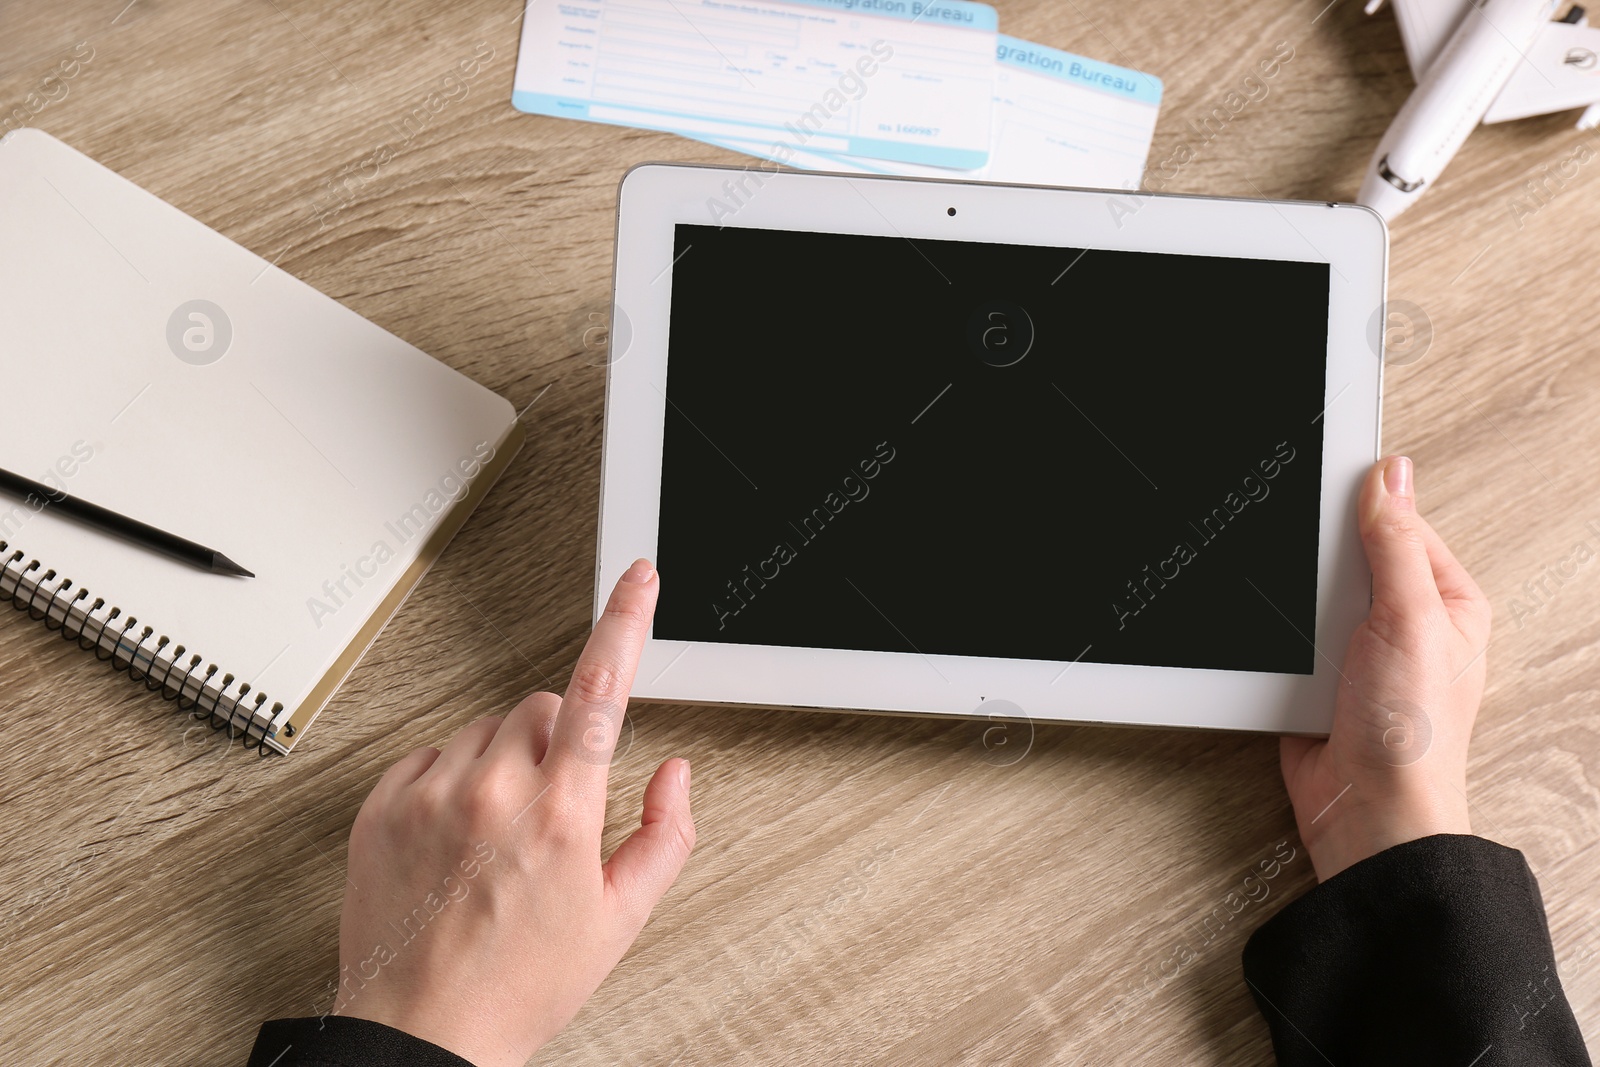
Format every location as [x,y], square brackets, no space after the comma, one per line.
[17,569]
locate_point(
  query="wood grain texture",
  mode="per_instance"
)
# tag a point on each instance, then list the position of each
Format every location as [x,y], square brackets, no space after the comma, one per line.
[164,894]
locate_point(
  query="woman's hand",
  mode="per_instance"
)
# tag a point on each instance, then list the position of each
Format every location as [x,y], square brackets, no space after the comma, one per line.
[1395,765]
[478,915]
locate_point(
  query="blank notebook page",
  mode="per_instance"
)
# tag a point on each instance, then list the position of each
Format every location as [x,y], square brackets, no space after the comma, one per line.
[318,451]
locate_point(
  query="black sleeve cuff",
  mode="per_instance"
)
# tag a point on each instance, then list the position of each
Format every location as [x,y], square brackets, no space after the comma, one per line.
[1434,951]
[338,1041]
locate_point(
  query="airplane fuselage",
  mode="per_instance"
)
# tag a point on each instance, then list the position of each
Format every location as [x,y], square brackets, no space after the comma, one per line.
[1450,100]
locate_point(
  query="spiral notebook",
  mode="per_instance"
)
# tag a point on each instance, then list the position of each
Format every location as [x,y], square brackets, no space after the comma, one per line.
[153,367]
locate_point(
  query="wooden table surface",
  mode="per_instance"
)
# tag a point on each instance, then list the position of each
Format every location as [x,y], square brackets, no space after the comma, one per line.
[865,889]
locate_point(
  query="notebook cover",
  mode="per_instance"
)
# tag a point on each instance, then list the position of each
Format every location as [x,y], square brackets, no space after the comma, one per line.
[156,368]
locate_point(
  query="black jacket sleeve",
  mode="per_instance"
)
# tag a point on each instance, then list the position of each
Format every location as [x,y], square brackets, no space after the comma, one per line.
[1432,952]
[337,1041]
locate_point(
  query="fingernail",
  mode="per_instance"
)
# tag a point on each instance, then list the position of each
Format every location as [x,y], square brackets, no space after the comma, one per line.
[1397,477]
[683,775]
[640,572]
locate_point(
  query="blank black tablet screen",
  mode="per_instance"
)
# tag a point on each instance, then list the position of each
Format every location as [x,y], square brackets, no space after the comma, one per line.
[972,449]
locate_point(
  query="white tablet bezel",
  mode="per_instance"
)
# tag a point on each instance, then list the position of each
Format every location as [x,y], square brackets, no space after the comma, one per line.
[655,197]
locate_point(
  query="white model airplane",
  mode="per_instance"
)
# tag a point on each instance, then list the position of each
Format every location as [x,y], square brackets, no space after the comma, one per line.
[1477,61]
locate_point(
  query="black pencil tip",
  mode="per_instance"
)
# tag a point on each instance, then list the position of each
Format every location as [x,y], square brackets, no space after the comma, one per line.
[223,565]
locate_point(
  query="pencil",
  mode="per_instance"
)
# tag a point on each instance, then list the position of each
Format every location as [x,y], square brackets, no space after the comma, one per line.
[131,530]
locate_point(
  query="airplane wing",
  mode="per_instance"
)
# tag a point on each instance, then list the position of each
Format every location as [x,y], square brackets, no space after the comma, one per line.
[1560,71]
[1425,25]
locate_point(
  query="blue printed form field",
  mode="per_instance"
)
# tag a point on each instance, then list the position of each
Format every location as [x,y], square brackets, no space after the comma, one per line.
[1058,119]
[893,80]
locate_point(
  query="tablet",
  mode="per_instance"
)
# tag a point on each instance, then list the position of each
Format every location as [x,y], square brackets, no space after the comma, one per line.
[977,450]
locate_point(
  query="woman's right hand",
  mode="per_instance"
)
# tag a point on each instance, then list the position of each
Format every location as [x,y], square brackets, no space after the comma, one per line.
[1394,767]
